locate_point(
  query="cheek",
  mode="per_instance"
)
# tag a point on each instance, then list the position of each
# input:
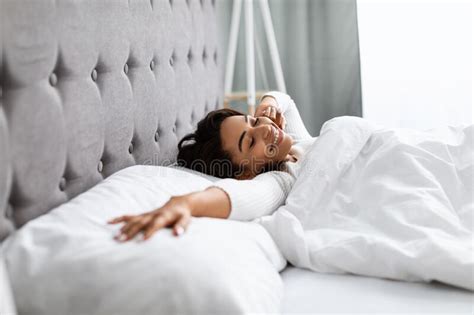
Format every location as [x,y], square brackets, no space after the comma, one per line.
[287,141]
[260,152]
[285,146]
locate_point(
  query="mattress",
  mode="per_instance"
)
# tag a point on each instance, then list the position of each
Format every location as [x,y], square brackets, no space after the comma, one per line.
[310,292]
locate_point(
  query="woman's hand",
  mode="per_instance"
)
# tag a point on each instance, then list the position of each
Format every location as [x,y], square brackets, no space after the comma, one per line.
[268,107]
[176,213]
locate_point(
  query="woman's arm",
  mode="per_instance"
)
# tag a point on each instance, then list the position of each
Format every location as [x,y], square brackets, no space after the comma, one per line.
[212,202]
[228,198]
[177,212]
[257,197]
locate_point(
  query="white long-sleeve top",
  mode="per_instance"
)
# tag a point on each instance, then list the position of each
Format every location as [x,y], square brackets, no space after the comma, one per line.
[254,198]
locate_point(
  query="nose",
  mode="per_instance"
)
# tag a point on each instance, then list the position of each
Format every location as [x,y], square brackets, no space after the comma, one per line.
[264,131]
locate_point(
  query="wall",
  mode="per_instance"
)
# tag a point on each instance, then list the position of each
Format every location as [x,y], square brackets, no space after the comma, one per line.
[416,61]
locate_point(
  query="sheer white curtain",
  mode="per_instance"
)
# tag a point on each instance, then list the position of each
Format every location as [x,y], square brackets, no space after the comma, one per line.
[416,61]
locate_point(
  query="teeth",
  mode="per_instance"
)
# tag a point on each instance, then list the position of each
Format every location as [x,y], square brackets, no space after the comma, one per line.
[275,139]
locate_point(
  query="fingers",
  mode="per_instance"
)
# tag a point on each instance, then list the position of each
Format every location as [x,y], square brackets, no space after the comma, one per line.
[181,225]
[283,122]
[258,112]
[273,113]
[175,213]
[120,219]
[262,109]
[158,223]
[280,120]
[270,112]
[132,228]
[262,113]
[132,223]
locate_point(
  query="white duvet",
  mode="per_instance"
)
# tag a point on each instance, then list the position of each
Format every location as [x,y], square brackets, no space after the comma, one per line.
[385,203]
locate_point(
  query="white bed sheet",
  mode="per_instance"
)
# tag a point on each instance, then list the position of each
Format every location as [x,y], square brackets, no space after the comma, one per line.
[311,292]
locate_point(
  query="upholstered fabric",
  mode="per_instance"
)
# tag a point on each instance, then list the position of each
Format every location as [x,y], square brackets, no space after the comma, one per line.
[88,87]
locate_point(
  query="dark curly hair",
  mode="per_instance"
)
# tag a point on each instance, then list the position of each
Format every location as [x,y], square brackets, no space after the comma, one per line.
[205,153]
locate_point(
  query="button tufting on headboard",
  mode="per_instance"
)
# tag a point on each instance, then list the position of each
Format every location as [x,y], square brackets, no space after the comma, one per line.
[53,79]
[94,75]
[204,55]
[175,127]
[62,184]
[190,56]
[9,211]
[100,166]
[115,102]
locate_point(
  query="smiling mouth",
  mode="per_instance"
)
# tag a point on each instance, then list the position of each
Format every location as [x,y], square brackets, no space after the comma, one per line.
[277,135]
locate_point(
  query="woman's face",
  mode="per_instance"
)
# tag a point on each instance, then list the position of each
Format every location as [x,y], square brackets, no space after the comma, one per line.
[254,142]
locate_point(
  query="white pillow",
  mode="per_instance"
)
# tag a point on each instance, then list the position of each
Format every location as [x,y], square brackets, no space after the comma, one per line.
[187,170]
[67,262]
[7,305]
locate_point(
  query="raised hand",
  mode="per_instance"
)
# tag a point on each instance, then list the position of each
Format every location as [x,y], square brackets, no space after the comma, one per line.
[268,107]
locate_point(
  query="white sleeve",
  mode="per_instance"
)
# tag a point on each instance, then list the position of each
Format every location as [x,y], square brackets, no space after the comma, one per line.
[294,124]
[254,198]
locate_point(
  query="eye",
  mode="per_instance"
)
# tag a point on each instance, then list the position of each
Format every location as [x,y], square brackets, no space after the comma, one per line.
[253,140]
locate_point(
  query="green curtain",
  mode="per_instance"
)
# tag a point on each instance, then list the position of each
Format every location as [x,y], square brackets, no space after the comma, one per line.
[319,50]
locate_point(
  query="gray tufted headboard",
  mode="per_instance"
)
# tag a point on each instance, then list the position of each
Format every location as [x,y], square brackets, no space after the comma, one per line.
[88,87]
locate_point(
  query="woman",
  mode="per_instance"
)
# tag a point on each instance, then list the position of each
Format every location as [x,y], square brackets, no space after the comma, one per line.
[257,157]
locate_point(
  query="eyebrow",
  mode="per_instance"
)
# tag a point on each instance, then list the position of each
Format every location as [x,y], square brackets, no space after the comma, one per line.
[242,135]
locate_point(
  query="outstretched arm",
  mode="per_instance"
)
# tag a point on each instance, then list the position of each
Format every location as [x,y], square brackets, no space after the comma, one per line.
[228,198]
[177,212]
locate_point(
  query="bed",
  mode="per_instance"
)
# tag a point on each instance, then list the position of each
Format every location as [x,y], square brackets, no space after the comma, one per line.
[94,96]
[311,292]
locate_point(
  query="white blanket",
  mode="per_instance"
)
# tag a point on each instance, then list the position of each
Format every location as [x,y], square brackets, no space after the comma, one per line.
[395,204]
